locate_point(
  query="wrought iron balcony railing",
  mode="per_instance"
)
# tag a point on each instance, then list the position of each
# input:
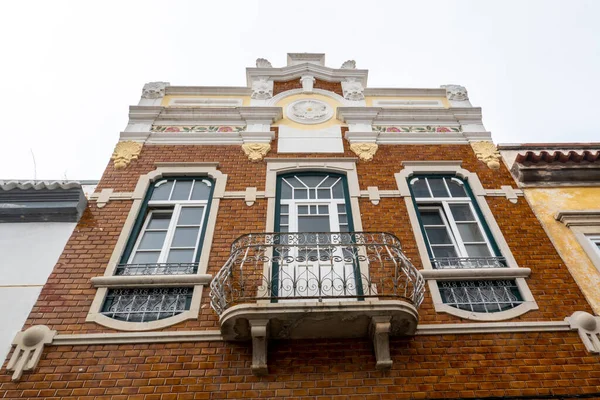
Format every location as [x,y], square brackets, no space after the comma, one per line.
[156,269]
[468,262]
[281,267]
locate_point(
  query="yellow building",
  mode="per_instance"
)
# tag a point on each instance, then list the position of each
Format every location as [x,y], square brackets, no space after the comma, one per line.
[561,182]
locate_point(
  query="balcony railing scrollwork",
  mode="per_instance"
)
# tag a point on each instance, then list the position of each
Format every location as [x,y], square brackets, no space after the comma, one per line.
[318,266]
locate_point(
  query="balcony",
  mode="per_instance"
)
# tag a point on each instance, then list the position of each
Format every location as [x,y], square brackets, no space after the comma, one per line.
[317,285]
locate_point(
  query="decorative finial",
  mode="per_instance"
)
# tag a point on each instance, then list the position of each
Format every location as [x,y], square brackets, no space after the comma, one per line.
[263,63]
[456,92]
[154,90]
[350,64]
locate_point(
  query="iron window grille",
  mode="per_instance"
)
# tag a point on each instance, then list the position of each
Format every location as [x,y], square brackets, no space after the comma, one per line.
[481,296]
[146,304]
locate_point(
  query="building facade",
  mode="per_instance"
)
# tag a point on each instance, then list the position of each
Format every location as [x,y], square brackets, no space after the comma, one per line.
[561,182]
[307,236]
[33,215]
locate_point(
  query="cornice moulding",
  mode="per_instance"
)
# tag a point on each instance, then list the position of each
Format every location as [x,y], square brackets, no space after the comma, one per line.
[405,92]
[407,138]
[198,138]
[382,116]
[208,90]
[317,71]
[144,113]
[579,217]
[216,116]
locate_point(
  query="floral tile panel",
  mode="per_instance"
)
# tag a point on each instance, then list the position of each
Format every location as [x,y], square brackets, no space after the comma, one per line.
[197,128]
[417,129]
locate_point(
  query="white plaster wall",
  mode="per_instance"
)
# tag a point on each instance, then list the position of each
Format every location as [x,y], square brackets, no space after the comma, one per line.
[28,253]
[327,140]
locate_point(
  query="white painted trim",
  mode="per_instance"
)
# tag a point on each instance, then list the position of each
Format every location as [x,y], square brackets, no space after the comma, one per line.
[136,337]
[322,72]
[123,281]
[87,339]
[492,327]
[206,102]
[579,217]
[395,103]
[163,169]
[475,273]
[479,193]
[584,235]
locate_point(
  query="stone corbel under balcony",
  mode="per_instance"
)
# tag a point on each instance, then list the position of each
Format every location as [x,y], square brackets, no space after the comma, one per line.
[377,319]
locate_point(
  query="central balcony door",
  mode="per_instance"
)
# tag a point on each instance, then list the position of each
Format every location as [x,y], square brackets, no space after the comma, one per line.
[312,259]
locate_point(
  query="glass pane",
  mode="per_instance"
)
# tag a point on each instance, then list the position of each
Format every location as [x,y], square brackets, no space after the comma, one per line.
[185,237]
[324,193]
[343,219]
[338,190]
[303,210]
[311,181]
[313,210]
[201,190]
[286,191]
[182,190]
[284,220]
[152,240]
[300,194]
[431,218]
[341,208]
[162,190]
[441,252]
[284,208]
[313,224]
[159,221]
[146,257]
[344,228]
[477,250]
[462,212]
[437,187]
[329,182]
[180,256]
[419,188]
[470,233]
[191,216]
[295,182]
[456,190]
[323,210]
[438,236]
[312,194]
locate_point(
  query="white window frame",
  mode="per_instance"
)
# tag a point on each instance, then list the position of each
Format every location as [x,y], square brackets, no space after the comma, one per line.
[432,275]
[197,280]
[174,207]
[585,225]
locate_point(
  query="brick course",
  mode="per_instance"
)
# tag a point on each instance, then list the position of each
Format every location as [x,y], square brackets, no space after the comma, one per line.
[425,367]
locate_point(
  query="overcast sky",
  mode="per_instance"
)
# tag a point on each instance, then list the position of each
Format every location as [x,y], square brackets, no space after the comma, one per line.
[71,69]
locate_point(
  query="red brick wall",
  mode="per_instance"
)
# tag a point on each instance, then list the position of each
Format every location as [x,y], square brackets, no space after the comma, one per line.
[279,87]
[432,367]
[447,366]
[65,300]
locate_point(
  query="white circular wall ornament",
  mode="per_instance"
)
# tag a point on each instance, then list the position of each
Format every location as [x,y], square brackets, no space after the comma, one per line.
[309,111]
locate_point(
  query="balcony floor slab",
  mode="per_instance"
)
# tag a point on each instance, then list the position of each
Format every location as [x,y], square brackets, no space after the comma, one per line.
[318,320]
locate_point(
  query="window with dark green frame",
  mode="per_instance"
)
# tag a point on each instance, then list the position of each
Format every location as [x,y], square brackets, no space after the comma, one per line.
[167,236]
[166,240]
[457,237]
[313,210]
